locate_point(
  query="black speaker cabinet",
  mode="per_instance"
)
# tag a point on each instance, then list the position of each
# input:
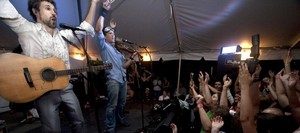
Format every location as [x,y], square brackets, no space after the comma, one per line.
[228,64]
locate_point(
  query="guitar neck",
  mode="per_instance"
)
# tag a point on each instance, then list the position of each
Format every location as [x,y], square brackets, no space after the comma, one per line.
[84,69]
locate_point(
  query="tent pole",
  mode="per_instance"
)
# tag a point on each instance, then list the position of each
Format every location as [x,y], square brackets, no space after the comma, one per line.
[179,71]
[175,26]
[179,44]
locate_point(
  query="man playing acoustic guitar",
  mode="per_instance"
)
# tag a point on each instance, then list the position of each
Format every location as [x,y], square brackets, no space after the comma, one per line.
[41,39]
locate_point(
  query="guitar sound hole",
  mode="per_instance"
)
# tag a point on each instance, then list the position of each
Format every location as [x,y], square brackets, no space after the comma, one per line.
[48,75]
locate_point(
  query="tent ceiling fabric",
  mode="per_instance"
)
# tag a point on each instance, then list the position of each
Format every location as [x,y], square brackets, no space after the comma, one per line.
[203,26]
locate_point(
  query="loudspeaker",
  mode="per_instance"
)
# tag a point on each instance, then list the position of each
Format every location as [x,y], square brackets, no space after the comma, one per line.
[228,64]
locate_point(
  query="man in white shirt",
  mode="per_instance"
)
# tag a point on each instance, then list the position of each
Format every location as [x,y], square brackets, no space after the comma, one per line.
[164,96]
[41,39]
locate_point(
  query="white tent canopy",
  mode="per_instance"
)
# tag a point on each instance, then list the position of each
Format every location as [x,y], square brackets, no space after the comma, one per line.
[189,28]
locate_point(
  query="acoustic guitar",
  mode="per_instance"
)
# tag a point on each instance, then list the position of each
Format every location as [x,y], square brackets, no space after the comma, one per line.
[23,78]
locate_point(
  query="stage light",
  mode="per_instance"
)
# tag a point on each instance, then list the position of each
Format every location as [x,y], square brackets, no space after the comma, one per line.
[245,54]
[230,49]
[77,56]
[146,56]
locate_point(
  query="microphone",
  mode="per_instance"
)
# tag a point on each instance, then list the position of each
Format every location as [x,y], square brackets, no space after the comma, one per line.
[123,40]
[66,26]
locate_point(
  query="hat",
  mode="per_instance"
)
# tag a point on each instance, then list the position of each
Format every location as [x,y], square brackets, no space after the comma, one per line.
[107,29]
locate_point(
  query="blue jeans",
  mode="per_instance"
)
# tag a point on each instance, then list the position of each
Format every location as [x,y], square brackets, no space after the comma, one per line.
[116,93]
[48,109]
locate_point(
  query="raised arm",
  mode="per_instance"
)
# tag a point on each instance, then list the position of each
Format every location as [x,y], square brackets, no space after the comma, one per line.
[287,61]
[280,91]
[214,90]
[271,85]
[86,25]
[11,17]
[205,91]
[289,82]
[272,90]
[205,121]
[246,108]
[237,85]
[254,87]
[100,22]
[90,18]
[223,100]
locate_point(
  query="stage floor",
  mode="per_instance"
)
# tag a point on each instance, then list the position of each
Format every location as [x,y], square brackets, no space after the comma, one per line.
[133,115]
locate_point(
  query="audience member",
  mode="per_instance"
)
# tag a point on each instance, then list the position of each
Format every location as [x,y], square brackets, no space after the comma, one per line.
[181,91]
[164,96]
[156,87]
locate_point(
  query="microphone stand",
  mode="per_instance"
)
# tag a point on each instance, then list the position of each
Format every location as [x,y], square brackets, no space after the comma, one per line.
[90,79]
[139,86]
[151,66]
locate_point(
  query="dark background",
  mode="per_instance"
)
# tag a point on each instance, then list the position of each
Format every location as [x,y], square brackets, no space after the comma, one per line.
[170,68]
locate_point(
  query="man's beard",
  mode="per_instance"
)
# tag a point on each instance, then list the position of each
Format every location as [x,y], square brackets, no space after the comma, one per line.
[51,23]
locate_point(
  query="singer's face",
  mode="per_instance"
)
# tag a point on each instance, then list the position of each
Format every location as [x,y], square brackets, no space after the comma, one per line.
[47,14]
[110,37]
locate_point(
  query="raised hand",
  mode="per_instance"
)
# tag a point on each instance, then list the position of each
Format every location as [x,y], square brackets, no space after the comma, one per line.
[257,70]
[227,82]
[173,127]
[192,87]
[293,79]
[287,59]
[112,23]
[217,123]
[290,80]
[192,83]
[244,75]
[271,73]
[206,78]
[224,77]
[200,77]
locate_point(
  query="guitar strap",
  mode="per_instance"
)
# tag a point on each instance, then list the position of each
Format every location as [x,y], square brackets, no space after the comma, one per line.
[68,41]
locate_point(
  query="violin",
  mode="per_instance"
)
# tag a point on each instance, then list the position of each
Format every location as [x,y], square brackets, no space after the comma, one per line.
[122,47]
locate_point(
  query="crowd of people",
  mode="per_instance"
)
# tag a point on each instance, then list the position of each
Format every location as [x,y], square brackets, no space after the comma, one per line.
[250,103]
[268,104]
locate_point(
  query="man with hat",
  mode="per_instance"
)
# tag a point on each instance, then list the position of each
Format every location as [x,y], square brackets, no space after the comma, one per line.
[116,77]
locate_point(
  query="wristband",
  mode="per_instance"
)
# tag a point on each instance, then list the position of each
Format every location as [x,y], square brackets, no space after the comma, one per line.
[200,105]
[104,12]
